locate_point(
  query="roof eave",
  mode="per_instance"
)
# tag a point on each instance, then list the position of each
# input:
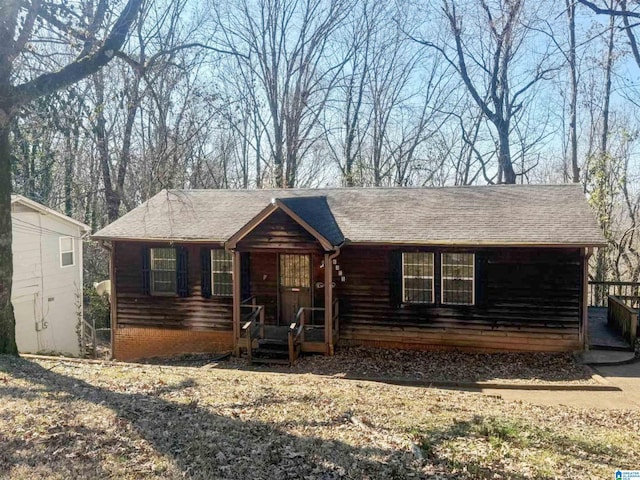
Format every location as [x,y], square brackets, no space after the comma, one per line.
[48,211]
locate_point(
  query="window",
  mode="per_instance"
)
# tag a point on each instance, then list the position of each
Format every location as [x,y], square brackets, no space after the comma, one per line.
[458,278]
[295,271]
[221,273]
[417,277]
[163,271]
[66,252]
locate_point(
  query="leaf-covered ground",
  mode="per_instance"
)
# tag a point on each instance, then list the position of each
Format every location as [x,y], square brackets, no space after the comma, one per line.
[76,420]
[450,366]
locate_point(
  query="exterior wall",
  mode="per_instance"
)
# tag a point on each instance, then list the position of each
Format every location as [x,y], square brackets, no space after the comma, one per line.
[47,297]
[134,343]
[264,282]
[161,321]
[526,300]
[279,232]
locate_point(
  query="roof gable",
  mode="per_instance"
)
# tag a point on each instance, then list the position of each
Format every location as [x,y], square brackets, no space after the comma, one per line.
[310,215]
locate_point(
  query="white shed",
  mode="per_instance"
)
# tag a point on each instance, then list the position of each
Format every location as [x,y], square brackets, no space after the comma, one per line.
[47,278]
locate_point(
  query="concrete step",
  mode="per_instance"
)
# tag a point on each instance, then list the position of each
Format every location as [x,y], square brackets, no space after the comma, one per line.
[605,357]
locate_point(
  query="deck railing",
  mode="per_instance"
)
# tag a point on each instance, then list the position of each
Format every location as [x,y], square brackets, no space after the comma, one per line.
[622,318]
[628,292]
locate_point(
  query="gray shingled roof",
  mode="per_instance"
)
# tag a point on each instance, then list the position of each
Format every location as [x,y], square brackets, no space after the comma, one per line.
[473,215]
[317,213]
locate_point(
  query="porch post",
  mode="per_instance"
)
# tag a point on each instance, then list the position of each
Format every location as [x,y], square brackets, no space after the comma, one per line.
[328,304]
[585,297]
[236,302]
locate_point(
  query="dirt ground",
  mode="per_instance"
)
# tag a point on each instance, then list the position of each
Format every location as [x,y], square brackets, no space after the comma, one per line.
[79,420]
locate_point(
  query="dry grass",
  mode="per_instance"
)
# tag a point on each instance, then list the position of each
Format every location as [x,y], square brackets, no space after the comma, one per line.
[68,420]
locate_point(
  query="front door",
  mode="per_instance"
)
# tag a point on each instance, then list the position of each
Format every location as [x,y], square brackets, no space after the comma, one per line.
[294,285]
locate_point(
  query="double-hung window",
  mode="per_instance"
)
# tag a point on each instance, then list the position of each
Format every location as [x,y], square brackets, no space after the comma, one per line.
[66,252]
[417,277]
[163,271]
[458,278]
[221,273]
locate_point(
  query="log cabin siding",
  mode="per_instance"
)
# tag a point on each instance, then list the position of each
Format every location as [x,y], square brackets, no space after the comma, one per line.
[279,231]
[526,299]
[135,308]
[264,282]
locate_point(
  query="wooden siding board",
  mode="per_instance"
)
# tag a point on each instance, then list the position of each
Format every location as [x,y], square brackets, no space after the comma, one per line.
[279,232]
[134,308]
[529,296]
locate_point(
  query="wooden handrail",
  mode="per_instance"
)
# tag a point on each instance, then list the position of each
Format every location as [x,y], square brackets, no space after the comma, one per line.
[623,318]
[599,292]
[253,299]
[301,318]
[254,321]
[295,337]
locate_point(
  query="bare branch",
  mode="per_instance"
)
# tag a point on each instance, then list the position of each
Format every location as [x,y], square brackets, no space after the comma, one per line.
[81,68]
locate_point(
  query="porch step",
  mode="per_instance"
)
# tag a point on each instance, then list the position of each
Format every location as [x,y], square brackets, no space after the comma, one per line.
[270,351]
[274,342]
[278,361]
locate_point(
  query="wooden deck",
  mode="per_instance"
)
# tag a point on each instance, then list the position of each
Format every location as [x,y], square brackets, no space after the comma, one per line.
[601,337]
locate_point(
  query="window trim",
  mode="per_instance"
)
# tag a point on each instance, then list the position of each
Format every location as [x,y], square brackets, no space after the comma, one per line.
[473,280]
[432,277]
[72,251]
[152,290]
[214,271]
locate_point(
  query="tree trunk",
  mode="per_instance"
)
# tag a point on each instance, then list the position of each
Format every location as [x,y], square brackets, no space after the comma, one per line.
[504,154]
[573,104]
[7,319]
[607,85]
[68,175]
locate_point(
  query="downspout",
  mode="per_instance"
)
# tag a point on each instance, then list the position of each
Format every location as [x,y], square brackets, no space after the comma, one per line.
[328,297]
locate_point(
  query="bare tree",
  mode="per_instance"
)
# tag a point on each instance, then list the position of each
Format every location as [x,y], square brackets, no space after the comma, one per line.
[488,72]
[285,46]
[20,23]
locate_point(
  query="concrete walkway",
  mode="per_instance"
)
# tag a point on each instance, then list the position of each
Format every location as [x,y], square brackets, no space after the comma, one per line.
[626,377]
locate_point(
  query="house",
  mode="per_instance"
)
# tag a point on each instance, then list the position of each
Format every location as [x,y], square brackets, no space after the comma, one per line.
[491,268]
[47,278]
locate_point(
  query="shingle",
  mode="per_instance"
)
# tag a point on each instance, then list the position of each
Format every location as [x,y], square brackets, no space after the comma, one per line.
[316,212]
[480,215]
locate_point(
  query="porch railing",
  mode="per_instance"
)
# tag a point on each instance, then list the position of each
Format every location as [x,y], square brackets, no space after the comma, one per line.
[622,318]
[252,324]
[599,293]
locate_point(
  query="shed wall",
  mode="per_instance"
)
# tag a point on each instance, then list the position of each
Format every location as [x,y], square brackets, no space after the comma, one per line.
[47,297]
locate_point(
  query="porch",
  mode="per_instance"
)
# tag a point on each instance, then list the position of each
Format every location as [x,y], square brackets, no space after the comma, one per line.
[613,315]
[283,280]
[264,343]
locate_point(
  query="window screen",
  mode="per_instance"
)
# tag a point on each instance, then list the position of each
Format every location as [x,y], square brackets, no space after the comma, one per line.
[458,278]
[221,273]
[295,271]
[417,277]
[66,251]
[163,271]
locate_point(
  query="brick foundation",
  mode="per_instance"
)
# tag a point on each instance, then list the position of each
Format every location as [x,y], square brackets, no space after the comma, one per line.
[134,343]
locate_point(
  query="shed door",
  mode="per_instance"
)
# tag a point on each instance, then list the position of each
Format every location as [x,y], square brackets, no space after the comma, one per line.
[294,285]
